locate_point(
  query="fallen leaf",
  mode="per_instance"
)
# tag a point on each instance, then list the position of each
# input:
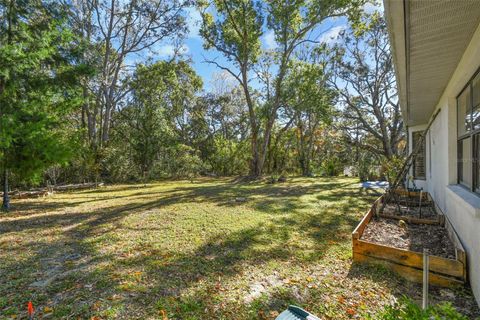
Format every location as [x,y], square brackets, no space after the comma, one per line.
[273,314]
[261,314]
[351,312]
[47,309]
[164,314]
[96,305]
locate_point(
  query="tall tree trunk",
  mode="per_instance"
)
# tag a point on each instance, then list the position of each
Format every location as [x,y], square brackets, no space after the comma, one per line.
[106,124]
[255,169]
[6,198]
[312,128]
[302,153]
[266,143]
[272,116]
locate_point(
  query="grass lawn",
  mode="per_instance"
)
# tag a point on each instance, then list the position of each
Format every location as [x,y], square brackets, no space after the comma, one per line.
[211,249]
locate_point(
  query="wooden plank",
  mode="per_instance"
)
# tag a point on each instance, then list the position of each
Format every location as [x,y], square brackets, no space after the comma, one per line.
[409,258]
[443,272]
[413,194]
[415,203]
[409,273]
[357,233]
[29,194]
[462,257]
[43,192]
[459,250]
[452,234]
[412,219]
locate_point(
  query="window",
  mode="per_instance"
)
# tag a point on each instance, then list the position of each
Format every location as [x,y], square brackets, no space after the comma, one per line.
[476,102]
[464,113]
[420,159]
[468,135]
[465,162]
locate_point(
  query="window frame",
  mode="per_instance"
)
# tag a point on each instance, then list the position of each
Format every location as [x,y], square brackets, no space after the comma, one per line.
[414,166]
[473,135]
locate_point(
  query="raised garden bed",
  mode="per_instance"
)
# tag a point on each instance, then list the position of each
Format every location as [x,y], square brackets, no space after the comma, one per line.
[412,209]
[400,246]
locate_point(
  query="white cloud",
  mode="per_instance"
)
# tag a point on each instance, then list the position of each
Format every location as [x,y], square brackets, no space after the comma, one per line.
[194,21]
[332,35]
[168,50]
[134,59]
[372,7]
[268,40]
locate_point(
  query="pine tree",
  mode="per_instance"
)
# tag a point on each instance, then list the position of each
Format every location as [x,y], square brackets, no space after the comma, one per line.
[38,77]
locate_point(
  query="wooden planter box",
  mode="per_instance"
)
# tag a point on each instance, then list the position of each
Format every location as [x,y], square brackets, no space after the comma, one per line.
[413,194]
[440,219]
[409,264]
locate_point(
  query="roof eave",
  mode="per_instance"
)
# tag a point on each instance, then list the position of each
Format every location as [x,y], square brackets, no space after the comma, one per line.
[395,15]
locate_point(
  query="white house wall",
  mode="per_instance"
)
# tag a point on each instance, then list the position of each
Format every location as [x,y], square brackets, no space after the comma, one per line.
[439,160]
[461,206]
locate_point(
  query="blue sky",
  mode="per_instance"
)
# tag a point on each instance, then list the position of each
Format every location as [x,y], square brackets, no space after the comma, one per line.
[193,44]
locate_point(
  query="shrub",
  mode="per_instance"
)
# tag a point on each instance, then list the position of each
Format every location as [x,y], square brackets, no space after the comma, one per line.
[179,161]
[392,167]
[230,157]
[331,167]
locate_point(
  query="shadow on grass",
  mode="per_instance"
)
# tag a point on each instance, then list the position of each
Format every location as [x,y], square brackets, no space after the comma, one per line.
[70,269]
[265,198]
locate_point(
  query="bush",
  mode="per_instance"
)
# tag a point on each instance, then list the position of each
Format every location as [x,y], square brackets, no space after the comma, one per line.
[406,309]
[392,167]
[368,168]
[229,157]
[331,167]
[118,165]
[178,161]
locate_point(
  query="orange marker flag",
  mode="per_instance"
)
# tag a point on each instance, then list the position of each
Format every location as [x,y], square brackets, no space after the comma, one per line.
[30,309]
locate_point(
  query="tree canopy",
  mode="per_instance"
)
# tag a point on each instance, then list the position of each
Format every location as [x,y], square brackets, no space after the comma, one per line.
[38,89]
[76,105]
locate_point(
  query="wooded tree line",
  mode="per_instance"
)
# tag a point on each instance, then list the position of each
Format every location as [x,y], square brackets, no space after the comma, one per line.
[75,107]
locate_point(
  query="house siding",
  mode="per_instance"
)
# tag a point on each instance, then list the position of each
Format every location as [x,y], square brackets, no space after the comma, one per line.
[461,207]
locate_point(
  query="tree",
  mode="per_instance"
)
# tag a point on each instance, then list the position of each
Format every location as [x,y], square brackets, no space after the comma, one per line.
[235,32]
[117,31]
[38,78]
[158,116]
[311,101]
[365,81]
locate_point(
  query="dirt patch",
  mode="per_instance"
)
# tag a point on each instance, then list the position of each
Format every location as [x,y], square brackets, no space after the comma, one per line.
[260,287]
[426,212]
[414,237]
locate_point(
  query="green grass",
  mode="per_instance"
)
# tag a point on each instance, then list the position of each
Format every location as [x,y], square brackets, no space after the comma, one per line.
[183,250]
